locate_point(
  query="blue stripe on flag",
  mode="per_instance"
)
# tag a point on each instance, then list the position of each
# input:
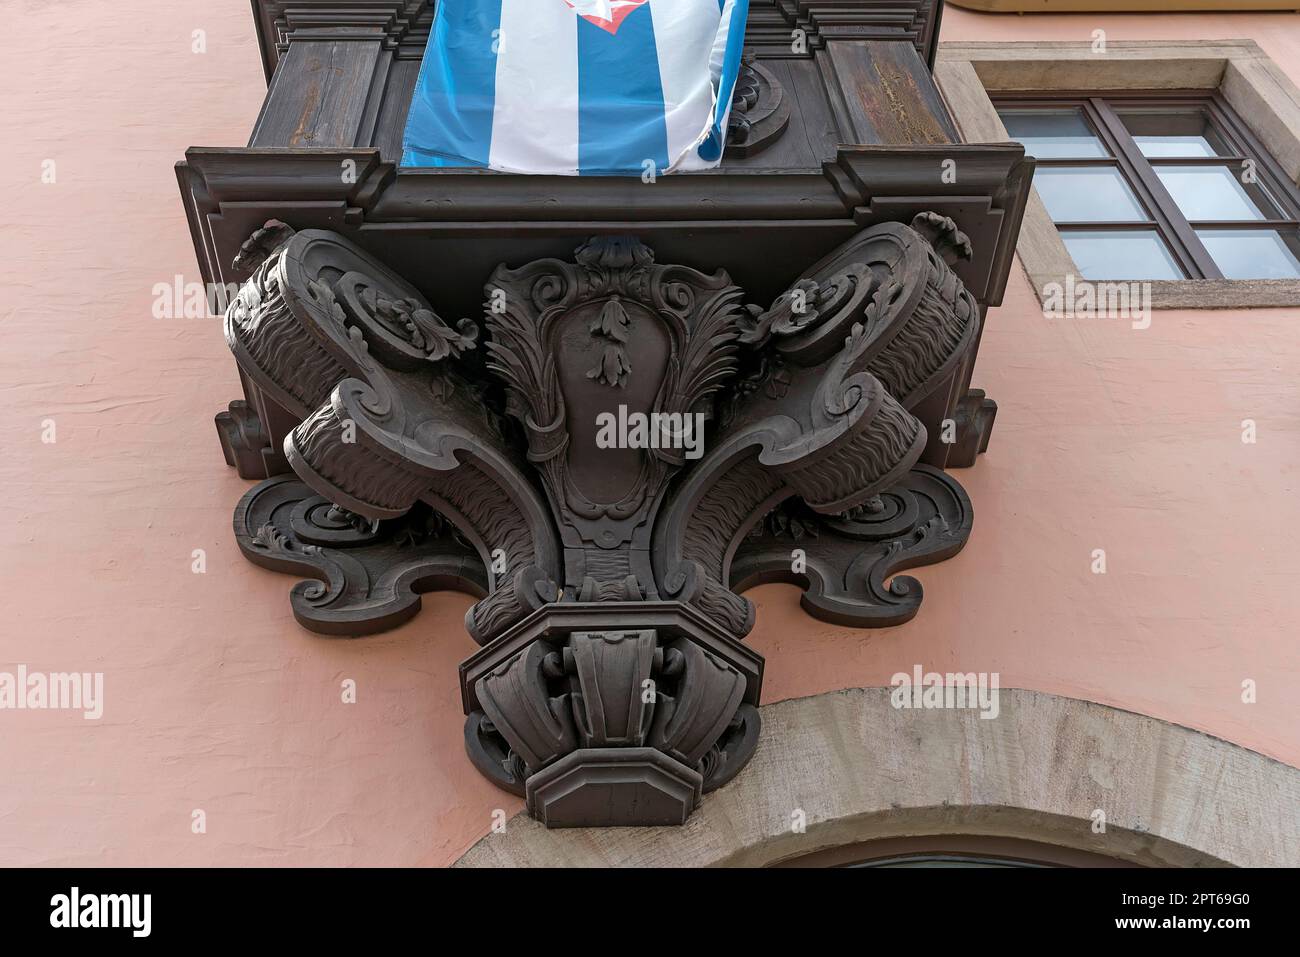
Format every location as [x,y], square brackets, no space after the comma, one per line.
[450,122]
[711,148]
[620,97]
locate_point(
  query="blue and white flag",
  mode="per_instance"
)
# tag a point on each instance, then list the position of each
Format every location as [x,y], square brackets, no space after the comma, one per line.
[591,87]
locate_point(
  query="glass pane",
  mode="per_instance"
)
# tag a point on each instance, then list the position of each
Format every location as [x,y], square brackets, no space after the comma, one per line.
[1213,192]
[1053,134]
[1087,194]
[1120,254]
[1252,253]
[1174,132]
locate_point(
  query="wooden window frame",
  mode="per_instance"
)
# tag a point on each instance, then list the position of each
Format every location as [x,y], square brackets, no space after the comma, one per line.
[1101,113]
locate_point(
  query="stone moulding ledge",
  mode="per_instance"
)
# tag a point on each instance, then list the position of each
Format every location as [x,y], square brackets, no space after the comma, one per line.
[863,771]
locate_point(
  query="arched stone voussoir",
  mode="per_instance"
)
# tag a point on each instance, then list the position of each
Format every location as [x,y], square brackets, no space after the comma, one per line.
[861,770]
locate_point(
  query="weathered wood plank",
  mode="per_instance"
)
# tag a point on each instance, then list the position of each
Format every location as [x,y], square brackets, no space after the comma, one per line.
[319,93]
[889,95]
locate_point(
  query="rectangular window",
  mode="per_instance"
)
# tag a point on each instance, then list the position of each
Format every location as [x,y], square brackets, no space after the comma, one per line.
[1153,186]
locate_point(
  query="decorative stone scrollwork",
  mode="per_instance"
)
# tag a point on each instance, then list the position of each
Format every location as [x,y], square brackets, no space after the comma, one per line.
[621,449]
[760,110]
[383,427]
[816,415]
[368,575]
[849,561]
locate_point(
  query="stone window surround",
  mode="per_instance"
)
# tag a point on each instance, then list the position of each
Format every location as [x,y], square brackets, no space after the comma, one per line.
[1267,101]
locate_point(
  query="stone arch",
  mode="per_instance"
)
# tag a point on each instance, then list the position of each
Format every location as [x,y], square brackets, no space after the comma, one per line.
[861,770]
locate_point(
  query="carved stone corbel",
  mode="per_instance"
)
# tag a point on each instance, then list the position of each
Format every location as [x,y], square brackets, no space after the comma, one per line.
[561,703]
[613,686]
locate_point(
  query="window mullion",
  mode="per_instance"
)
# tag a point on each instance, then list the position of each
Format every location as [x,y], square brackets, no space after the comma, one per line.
[1186,247]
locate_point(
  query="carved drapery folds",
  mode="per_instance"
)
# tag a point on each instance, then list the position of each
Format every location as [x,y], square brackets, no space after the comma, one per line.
[604,462]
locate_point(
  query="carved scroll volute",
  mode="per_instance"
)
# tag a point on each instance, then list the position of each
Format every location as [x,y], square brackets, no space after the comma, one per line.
[355,350]
[288,333]
[760,110]
[921,321]
[816,416]
[851,561]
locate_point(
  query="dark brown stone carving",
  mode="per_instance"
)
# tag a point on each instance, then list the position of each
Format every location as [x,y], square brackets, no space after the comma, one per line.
[974,420]
[760,109]
[244,442]
[367,575]
[385,421]
[848,563]
[814,416]
[425,359]
[612,687]
[562,340]
[564,684]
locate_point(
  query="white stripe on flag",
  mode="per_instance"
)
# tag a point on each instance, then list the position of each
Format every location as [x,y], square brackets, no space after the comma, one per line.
[684,38]
[727,54]
[535,121]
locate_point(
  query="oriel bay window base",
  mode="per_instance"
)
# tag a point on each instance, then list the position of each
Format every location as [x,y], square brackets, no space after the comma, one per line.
[425,355]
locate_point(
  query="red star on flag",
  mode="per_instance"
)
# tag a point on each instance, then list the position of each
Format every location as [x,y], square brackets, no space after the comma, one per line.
[606,14]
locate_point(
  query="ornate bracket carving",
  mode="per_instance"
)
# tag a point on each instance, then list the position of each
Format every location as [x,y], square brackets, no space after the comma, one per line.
[760,110]
[620,450]
[848,563]
[368,575]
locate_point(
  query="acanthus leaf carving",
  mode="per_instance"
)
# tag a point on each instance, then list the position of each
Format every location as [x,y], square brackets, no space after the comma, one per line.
[613,325]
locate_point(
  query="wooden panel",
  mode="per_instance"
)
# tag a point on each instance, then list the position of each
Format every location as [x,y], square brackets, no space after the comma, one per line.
[888,95]
[319,93]
[804,144]
[397,103]
[808,91]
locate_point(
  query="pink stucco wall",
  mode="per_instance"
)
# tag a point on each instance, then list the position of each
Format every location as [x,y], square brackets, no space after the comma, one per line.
[215,700]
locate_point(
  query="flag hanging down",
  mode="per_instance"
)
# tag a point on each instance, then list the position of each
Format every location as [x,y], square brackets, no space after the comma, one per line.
[591,87]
